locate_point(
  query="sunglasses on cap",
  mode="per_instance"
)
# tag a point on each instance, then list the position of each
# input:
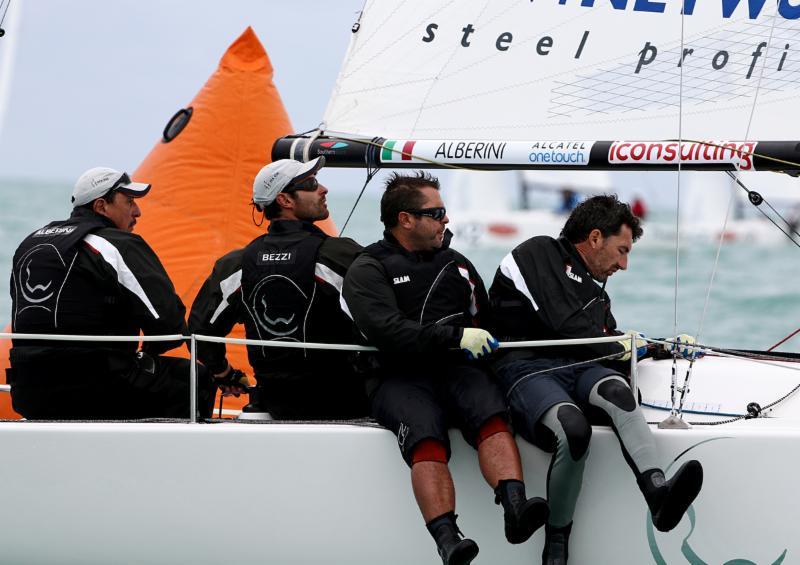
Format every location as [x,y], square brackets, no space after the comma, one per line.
[437,213]
[310,184]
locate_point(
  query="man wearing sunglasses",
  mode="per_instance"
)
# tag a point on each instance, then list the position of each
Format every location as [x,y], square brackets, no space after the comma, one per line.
[91,275]
[419,301]
[284,286]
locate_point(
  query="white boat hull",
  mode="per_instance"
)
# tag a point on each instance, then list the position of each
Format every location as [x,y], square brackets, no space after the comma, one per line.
[310,493]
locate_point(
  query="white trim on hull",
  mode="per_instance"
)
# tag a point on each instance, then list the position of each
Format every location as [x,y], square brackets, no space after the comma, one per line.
[320,493]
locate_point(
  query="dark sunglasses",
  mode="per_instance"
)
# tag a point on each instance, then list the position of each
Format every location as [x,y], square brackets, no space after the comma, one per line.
[121,181]
[310,184]
[437,214]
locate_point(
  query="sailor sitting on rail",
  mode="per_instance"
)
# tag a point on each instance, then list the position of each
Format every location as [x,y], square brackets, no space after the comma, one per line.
[284,286]
[416,299]
[545,289]
[90,275]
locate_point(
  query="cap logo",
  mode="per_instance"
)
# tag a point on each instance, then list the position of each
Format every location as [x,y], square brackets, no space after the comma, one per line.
[101,180]
[270,179]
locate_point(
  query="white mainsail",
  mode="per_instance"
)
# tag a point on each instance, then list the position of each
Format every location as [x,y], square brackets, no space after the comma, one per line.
[570,69]
[8,47]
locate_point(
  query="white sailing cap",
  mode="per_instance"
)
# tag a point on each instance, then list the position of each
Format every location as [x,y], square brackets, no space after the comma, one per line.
[280,174]
[99,181]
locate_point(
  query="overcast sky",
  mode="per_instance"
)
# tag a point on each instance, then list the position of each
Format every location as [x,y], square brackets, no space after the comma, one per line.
[95,81]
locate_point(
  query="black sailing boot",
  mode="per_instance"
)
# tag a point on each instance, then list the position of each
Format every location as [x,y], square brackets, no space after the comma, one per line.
[453,549]
[522,516]
[669,500]
[556,545]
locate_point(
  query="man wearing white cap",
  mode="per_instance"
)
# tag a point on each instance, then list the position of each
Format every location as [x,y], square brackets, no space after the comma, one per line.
[285,286]
[90,275]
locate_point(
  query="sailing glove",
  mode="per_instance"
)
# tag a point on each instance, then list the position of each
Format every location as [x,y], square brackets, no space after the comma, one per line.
[683,345]
[232,381]
[641,346]
[476,343]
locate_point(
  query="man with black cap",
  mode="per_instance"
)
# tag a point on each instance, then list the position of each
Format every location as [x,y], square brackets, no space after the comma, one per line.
[285,286]
[90,275]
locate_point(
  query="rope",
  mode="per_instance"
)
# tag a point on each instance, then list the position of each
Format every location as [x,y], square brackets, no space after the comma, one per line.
[756,199]
[787,338]
[2,19]
[527,376]
[64,337]
[754,411]
[370,174]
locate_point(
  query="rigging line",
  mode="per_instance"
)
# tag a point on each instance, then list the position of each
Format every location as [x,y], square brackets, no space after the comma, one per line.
[371,172]
[527,376]
[2,19]
[714,268]
[787,338]
[760,76]
[674,378]
[767,216]
[764,200]
[435,80]
[688,376]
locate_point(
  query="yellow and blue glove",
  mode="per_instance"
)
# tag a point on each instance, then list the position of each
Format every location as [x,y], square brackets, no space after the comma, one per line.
[683,345]
[641,346]
[476,343]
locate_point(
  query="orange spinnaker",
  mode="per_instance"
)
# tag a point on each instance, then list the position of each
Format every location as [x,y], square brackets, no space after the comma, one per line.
[199,207]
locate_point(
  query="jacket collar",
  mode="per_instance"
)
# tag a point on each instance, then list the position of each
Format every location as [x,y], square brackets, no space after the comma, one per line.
[84,214]
[391,242]
[569,247]
[282,227]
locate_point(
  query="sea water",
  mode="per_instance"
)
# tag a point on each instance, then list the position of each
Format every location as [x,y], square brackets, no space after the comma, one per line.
[754,300]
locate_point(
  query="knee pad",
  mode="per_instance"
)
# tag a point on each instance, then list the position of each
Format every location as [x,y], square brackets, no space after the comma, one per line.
[617,393]
[577,429]
[429,450]
[493,425]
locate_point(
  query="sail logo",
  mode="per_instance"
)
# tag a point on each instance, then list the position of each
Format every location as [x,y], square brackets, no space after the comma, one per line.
[754,7]
[330,147]
[737,153]
[401,280]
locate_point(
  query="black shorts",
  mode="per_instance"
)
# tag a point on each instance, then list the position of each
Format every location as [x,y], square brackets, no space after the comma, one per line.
[424,405]
[332,392]
[84,388]
[532,386]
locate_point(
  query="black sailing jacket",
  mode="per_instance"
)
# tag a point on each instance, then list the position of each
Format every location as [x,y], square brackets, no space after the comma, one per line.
[412,304]
[543,290]
[84,276]
[284,285]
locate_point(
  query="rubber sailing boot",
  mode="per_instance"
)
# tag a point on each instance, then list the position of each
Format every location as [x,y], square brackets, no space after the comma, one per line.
[522,516]
[669,500]
[453,549]
[556,545]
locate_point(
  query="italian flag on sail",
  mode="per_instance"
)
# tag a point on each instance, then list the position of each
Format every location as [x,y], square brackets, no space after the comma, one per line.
[397,150]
